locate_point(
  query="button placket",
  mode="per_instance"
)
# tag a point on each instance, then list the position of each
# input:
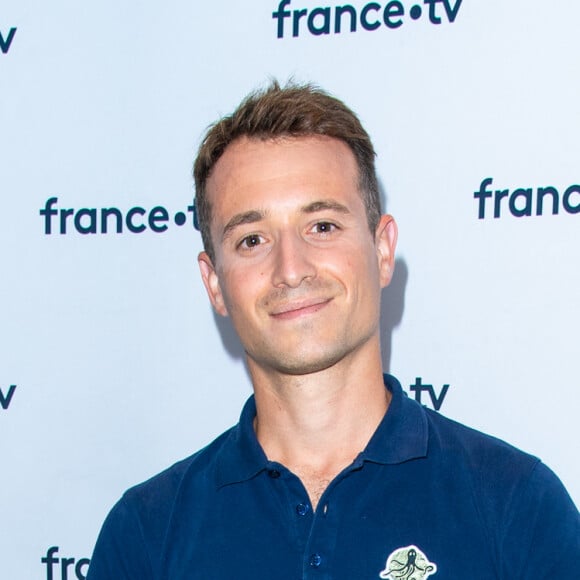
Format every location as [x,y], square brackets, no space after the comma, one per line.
[319,554]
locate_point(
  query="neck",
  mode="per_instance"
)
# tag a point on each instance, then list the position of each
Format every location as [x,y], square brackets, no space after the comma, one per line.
[316,424]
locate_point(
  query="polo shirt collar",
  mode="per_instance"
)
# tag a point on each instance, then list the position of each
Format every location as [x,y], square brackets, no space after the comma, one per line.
[401,436]
[403,433]
[241,457]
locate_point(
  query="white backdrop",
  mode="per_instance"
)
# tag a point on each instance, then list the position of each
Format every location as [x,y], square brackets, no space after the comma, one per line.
[111,362]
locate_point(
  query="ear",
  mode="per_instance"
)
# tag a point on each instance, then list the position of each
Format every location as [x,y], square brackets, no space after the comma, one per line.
[211,283]
[386,241]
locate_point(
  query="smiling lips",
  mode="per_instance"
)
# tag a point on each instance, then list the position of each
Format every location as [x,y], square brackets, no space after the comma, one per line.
[299,308]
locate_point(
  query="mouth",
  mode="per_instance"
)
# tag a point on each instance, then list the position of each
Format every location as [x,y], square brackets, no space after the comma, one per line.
[299,308]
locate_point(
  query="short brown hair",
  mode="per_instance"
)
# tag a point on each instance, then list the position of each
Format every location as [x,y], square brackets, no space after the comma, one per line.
[289,111]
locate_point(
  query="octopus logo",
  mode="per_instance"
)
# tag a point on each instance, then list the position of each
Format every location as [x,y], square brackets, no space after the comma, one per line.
[408,564]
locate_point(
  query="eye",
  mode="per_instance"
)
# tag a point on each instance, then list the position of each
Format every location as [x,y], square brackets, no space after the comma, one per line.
[324,227]
[250,242]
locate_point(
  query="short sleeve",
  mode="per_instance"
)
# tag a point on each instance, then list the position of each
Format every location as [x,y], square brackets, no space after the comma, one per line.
[542,537]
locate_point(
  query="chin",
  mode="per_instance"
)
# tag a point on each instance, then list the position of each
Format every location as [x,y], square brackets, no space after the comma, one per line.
[301,363]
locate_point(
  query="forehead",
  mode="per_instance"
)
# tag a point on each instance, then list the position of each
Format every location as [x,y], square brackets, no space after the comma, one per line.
[256,172]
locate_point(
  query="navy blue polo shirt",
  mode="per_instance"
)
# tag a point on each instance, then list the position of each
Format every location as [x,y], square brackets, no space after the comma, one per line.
[427,498]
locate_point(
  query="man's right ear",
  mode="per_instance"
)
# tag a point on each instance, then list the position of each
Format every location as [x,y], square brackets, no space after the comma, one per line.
[211,283]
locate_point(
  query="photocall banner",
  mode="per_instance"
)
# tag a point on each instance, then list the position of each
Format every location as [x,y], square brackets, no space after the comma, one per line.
[112,363]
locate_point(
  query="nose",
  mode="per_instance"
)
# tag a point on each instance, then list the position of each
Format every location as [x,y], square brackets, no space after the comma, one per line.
[292,261]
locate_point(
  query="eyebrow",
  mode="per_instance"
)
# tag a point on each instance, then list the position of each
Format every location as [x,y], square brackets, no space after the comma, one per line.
[325,204]
[247,217]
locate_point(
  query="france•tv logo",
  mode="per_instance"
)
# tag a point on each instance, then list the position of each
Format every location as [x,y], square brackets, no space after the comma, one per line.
[6,398]
[79,568]
[6,41]
[524,202]
[419,387]
[337,19]
[111,219]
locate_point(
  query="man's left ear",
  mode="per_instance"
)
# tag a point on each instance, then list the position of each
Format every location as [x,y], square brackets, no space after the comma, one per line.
[386,241]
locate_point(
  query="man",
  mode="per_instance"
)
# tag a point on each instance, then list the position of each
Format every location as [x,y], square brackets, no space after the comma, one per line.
[332,472]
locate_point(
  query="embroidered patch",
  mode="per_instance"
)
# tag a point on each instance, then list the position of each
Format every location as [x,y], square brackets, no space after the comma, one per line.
[408,564]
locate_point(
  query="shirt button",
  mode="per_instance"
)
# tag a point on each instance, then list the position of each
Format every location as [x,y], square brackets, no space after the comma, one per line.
[315,560]
[274,473]
[302,509]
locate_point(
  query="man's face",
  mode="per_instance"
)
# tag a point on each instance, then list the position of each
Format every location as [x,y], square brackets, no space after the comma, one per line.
[296,266]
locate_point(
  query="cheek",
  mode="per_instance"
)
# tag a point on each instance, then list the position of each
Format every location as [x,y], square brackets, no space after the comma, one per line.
[240,290]
[366,274]
[356,265]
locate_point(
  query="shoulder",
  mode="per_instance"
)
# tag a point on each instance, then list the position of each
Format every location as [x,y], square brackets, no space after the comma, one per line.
[508,484]
[456,442]
[528,514]
[133,535]
[160,491]
[496,472]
